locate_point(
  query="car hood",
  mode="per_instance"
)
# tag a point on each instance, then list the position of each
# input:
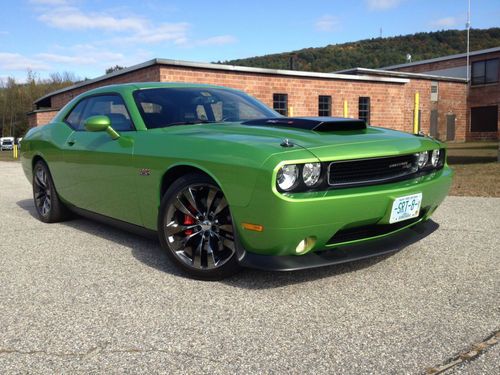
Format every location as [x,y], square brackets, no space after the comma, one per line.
[334,145]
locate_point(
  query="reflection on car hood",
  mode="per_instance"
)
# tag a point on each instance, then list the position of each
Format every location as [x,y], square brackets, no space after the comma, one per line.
[331,145]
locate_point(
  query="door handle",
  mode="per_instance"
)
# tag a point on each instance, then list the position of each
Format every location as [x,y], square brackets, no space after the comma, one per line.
[71,142]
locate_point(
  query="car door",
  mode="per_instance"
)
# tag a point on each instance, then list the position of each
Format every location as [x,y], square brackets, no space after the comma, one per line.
[100,170]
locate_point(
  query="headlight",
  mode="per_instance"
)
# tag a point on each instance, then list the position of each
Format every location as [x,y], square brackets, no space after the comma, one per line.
[311,173]
[435,158]
[423,158]
[287,177]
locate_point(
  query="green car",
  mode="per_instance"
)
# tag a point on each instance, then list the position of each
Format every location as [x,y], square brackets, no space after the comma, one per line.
[224,182]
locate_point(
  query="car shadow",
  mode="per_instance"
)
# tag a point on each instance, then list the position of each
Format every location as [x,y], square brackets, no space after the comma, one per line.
[144,249]
[149,252]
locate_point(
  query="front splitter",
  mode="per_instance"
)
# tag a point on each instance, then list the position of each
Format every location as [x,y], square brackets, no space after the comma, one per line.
[342,254]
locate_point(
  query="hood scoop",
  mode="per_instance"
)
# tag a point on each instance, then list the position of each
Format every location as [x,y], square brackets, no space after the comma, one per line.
[319,124]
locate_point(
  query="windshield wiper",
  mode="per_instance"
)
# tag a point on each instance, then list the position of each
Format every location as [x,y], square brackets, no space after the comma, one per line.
[190,122]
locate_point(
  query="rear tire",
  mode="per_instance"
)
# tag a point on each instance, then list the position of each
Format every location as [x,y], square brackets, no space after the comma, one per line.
[48,206]
[196,229]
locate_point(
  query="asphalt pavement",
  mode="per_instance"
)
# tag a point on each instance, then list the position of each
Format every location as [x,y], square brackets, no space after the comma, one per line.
[83,297]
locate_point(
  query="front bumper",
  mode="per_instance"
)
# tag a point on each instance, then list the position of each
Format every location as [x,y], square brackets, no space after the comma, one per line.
[345,254]
[287,220]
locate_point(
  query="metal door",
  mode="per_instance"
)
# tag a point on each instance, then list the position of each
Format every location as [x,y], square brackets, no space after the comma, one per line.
[450,127]
[434,123]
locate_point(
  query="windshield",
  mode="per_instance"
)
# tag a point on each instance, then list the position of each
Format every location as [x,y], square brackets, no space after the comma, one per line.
[163,107]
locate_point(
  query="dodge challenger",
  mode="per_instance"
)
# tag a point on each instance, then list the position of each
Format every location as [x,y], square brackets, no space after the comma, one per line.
[224,182]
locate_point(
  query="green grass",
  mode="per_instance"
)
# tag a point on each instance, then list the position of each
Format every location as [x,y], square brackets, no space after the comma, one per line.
[6,156]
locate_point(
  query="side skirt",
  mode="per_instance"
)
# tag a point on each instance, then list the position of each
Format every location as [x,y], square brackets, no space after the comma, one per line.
[123,225]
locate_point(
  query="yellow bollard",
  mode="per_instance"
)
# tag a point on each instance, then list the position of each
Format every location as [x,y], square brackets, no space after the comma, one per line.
[14,151]
[416,113]
[290,111]
[346,109]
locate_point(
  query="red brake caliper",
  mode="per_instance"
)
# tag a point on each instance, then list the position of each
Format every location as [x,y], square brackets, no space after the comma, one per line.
[188,220]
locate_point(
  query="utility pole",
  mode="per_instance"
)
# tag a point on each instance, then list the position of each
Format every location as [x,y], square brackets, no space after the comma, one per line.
[468,40]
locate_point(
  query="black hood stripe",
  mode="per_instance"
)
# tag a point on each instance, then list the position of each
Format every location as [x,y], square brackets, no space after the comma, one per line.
[319,124]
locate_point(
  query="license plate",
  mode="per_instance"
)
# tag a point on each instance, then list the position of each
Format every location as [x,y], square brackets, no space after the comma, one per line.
[404,208]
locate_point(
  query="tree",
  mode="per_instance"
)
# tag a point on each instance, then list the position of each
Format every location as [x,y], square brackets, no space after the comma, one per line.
[377,52]
[114,69]
[16,99]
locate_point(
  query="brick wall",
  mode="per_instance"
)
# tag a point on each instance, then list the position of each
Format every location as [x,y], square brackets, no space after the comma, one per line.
[41,117]
[391,104]
[478,95]
[484,95]
[149,74]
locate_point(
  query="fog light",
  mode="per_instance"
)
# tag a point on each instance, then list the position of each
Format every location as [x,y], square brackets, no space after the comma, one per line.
[305,245]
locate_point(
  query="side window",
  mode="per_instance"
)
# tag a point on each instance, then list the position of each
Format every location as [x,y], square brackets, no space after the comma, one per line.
[280,103]
[247,112]
[364,109]
[75,117]
[111,106]
[325,105]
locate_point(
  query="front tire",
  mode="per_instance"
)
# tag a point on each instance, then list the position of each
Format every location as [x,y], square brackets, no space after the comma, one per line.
[196,229]
[48,206]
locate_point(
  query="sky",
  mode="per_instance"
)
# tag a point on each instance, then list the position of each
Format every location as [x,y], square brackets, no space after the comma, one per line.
[85,37]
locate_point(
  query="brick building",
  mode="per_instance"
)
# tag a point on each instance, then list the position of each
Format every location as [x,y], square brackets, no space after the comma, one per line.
[483,97]
[382,98]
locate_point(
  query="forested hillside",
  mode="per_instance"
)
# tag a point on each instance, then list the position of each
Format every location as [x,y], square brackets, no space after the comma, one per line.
[377,52]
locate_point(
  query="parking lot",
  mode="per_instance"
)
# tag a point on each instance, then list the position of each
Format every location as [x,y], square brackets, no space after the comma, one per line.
[82,296]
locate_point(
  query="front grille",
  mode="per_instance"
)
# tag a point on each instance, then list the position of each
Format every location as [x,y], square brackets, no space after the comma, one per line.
[347,173]
[368,231]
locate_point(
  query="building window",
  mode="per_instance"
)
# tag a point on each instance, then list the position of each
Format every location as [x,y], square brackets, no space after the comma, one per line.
[325,105]
[364,109]
[280,103]
[434,91]
[484,119]
[485,71]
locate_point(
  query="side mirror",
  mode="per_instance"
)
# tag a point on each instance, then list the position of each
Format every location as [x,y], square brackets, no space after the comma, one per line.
[101,124]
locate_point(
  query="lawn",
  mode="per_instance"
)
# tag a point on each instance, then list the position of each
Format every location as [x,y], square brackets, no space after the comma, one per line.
[6,156]
[477,172]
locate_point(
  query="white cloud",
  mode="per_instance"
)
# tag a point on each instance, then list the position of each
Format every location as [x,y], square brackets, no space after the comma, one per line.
[137,29]
[444,22]
[382,4]
[175,32]
[71,18]
[120,38]
[16,61]
[326,23]
[84,58]
[217,40]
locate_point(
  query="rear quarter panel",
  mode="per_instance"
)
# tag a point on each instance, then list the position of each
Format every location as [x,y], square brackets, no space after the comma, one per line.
[46,142]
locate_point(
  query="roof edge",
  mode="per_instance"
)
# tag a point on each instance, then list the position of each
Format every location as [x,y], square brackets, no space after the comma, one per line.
[444,58]
[390,73]
[100,78]
[231,68]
